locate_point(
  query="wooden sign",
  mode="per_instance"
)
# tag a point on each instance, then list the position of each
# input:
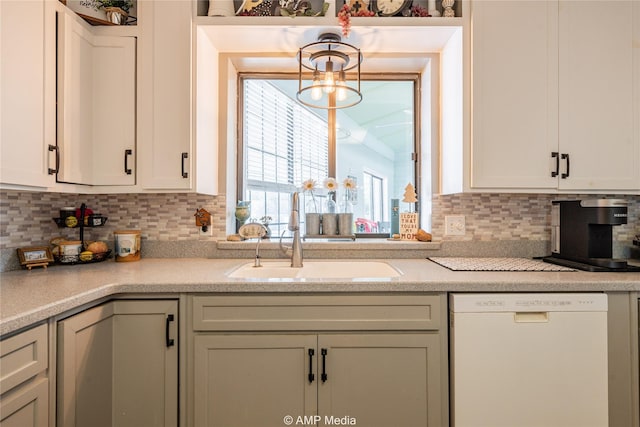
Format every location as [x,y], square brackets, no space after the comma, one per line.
[408,225]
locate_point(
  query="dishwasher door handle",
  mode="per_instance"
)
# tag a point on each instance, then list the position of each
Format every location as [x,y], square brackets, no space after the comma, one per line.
[531,317]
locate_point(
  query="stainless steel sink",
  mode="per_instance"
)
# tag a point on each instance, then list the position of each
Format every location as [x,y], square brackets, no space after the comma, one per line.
[352,269]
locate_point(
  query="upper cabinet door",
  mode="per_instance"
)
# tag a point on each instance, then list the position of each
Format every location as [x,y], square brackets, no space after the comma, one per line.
[96,105]
[514,93]
[600,94]
[166,95]
[27,89]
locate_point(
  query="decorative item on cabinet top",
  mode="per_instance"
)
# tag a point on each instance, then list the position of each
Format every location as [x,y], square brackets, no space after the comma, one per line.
[104,12]
[344,9]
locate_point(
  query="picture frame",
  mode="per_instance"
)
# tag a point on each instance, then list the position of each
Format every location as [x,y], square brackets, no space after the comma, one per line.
[35,256]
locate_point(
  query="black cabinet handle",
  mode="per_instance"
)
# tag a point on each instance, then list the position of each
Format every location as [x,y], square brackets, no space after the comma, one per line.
[555,155]
[55,148]
[324,364]
[565,156]
[170,341]
[184,156]
[311,376]
[127,153]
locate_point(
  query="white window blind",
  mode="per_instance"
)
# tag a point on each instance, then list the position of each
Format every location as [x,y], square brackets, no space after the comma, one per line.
[285,144]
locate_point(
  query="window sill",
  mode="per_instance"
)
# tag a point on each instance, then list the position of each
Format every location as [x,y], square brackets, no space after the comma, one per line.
[335,245]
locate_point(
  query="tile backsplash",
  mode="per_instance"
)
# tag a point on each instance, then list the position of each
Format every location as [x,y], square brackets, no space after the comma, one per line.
[516,216]
[26,217]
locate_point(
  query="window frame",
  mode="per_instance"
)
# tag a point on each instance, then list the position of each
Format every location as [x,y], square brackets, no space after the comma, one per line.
[415,78]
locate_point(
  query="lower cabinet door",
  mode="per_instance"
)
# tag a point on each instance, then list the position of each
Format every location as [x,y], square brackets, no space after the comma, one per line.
[28,406]
[118,365]
[380,380]
[263,380]
[254,380]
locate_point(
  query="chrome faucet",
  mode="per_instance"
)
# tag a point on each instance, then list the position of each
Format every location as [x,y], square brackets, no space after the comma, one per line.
[294,225]
[261,234]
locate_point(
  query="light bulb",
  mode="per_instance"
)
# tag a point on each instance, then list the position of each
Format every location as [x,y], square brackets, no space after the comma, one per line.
[329,79]
[316,88]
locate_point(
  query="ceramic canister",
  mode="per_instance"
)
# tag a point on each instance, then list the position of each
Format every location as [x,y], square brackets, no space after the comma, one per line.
[70,250]
[127,244]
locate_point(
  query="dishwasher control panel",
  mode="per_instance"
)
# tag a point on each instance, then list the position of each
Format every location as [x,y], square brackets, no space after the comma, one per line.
[516,302]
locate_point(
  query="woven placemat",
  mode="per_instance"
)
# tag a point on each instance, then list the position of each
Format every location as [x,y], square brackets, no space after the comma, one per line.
[496,264]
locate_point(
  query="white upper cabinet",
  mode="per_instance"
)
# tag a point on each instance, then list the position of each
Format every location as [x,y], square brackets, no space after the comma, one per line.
[599,95]
[27,89]
[515,93]
[555,98]
[165,67]
[96,105]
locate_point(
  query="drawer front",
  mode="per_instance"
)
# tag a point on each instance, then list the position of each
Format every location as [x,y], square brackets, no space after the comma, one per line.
[325,312]
[28,407]
[23,356]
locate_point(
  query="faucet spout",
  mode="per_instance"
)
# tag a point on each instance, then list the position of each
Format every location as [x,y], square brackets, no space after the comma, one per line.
[294,225]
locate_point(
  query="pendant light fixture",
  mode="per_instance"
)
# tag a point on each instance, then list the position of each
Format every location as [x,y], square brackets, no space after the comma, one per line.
[329,59]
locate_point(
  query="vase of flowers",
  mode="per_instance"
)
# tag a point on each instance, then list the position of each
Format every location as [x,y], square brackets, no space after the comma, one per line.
[311,208]
[329,210]
[345,217]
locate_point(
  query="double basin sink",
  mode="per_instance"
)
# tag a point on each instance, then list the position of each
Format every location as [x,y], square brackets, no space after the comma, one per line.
[352,269]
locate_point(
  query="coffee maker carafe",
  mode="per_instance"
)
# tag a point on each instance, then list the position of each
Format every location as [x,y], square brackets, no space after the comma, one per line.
[582,233]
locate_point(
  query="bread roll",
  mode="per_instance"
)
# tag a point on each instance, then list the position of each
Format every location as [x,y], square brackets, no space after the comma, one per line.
[97,247]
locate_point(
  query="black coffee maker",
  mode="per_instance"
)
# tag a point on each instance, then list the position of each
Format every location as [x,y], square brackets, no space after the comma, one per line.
[582,234]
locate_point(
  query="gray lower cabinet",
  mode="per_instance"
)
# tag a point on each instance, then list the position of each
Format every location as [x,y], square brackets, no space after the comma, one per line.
[24,385]
[118,365]
[321,360]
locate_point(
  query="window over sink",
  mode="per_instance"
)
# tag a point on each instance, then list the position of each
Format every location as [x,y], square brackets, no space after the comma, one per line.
[284,143]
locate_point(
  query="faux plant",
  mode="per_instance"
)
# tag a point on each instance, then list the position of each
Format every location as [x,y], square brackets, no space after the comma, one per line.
[122,4]
[344,17]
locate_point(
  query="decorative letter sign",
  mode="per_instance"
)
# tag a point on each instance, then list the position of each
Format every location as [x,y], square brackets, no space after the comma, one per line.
[408,225]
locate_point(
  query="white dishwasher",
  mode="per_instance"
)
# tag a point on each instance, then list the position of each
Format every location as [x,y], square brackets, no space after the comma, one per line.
[529,360]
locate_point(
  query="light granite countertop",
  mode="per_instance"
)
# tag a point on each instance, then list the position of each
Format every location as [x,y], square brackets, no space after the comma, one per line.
[27,297]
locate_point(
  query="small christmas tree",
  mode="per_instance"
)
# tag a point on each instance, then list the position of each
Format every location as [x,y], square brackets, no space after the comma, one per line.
[410,195]
[409,220]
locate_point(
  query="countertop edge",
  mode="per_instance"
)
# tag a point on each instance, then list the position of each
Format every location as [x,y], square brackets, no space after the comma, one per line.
[419,277]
